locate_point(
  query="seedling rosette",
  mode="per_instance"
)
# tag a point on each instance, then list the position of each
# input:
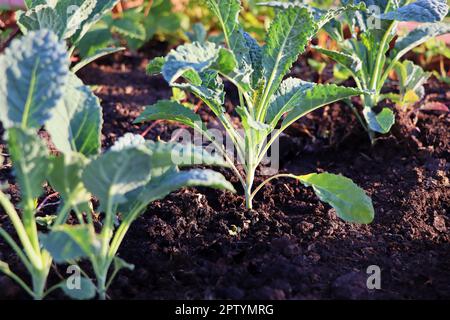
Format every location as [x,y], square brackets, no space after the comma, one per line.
[266,99]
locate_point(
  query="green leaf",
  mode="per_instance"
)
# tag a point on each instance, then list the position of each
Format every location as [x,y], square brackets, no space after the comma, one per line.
[411,80]
[101,8]
[418,36]
[71,242]
[350,202]
[120,264]
[287,37]
[77,121]
[96,55]
[381,122]
[114,173]
[41,17]
[227,13]
[34,72]
[191,59]
[155,66]
[164,155]
[65,178]
[170,181]
[171,110]
[318,96]
[73,13]
[86,291]
[287,97]
[131,28]
[95,40]
[419,11]
[349,61]
[30,159]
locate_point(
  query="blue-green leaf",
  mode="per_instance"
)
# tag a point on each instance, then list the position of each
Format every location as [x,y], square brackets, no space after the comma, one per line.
[381,122]
[287,37]
[77,121]
[34,72]
[114,173]
[419,11]
[71,242]
[350,201]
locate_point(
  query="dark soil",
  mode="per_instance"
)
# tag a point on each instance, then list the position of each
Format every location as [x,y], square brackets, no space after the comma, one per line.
[291,246]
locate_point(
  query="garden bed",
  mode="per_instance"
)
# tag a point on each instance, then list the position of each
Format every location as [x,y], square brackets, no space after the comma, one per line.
[291,246]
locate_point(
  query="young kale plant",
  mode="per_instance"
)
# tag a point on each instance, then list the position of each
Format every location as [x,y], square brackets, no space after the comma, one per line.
[125,179]
[38,90]
[35,69]
[368,56]
[265,99]
[70,20]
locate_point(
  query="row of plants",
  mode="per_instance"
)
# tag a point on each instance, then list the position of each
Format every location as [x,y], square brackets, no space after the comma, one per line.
[103,191]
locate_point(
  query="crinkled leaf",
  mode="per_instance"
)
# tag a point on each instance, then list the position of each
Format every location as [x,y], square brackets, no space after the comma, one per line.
[287,37]
[101,8]
[73,13]
[77,121]
[170,181]
[350,61]
[71,242]
[34,72]
[228,12]
[191,59]
[350,201]
[411,80]
[419,11]
[418,36]
[114,173]
[318,96]
[286,98]
[171,110]
[41,17]
[128,140]
[381,122]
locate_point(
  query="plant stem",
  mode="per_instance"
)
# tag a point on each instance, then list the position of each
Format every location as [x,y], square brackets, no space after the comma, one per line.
[281,175]
[248,188]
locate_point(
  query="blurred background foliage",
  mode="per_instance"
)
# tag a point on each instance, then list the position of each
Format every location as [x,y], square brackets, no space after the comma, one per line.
[134,23]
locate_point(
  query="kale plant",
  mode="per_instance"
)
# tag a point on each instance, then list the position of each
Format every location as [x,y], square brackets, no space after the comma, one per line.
[266,99]
[38,90]
[368,55]
[70,20]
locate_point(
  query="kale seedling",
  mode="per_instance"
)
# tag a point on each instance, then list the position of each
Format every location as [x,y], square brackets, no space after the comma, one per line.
[368,55]
[70,20]
[265,97]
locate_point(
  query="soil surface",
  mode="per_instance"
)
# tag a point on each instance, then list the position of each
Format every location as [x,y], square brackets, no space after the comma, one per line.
[291,246]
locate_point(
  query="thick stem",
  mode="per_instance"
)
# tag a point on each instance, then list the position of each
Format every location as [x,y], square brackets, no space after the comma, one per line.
[39,282]
[101,285]
[248,188]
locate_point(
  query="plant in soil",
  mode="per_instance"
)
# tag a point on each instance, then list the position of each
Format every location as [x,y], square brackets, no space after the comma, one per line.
[266,99]
[70,21]
[373,51]
[39,90]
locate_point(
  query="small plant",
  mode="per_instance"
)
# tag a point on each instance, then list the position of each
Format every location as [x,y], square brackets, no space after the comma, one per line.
[70,20]
[125,180]
[35,70]
[38,90]
[367,54]
[265,99]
